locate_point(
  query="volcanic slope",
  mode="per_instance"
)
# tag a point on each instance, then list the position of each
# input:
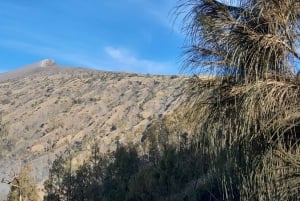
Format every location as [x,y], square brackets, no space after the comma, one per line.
[45,108]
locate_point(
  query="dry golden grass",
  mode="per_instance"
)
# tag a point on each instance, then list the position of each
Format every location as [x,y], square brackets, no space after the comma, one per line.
[252,134]
[247,118]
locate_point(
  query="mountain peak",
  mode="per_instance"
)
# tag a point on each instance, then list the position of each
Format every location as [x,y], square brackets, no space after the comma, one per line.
[30,69]
[47,63]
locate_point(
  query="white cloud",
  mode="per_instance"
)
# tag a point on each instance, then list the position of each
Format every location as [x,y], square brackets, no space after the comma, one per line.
[115,59]
[127,61]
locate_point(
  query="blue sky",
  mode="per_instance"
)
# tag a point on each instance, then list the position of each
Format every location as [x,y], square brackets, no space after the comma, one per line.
[123,35]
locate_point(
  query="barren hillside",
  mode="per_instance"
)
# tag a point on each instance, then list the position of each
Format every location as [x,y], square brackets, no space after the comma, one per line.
[45,108]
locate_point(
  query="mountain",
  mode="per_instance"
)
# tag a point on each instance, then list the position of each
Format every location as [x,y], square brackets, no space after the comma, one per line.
[46,108]
[47,64]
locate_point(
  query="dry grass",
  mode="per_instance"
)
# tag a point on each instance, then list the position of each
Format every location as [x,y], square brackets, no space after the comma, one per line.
[252,134]
[248,116]
[51,107]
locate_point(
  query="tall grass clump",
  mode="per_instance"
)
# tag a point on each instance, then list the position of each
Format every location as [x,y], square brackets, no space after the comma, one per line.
[247,114]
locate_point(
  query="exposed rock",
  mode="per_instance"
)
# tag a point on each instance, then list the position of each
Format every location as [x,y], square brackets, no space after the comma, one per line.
[44,65]
[47,63]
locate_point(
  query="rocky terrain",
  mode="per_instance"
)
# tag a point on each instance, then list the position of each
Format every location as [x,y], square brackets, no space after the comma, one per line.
[46,108]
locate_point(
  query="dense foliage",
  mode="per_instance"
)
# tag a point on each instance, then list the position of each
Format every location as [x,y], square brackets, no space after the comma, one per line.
[174,175]
[246,115]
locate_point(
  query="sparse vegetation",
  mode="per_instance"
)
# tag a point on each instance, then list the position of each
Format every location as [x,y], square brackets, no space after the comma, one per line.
[5,101]
[68,112]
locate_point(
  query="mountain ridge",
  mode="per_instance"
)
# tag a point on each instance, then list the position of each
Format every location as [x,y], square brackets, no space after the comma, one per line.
[43,112]
[31,68]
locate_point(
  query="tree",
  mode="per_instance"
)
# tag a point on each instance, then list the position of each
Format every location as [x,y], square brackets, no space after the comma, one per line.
[125,176]
[53,185]
[89,177]
[23,186]
[119,173]
[247,39]
[83,183]
[247,113]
